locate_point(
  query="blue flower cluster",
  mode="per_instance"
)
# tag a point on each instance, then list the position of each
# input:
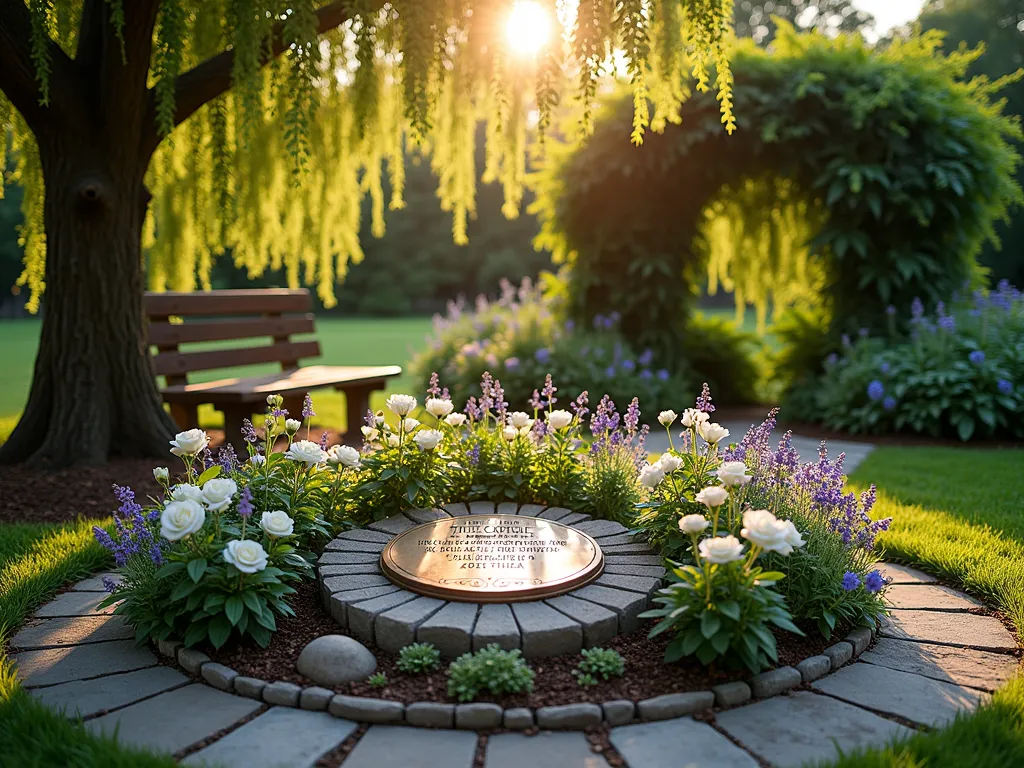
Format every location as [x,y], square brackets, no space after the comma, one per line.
[133,531]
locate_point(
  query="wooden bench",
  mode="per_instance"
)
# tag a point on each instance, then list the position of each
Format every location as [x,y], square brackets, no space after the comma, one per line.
[189,318]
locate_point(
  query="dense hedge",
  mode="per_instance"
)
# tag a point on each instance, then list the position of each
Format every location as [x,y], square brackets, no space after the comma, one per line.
[900,166]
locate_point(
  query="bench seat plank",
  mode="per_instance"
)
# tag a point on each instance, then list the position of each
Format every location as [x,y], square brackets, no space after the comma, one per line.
[301,380]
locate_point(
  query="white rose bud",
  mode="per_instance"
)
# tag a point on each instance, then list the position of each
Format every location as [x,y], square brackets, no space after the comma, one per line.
[427,439]
[343,455]
[370,434]
[670,463]
[246,556]
[218,492]
[510,433]
[291,426]
[559,419]
[393,440]
[766,531]
[187,492]
[306,452]
[733,474]
[693,417]
[455,419]
[189,443]
[651,475]
[721,549]
[258,459]
[712,432]
[667,418]
[439,408]
[181,518]
[378,418]
[713,496]
[161,474]
[693,523]
[410,424]
[401,405]
[518,419]
[277,523]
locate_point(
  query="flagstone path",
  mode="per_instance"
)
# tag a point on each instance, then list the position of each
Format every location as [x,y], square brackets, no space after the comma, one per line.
[932,659]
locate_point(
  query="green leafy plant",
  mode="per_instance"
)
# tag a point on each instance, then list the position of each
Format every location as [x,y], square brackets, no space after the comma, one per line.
[491,670]
[377,680]
[598,664]
[418,658]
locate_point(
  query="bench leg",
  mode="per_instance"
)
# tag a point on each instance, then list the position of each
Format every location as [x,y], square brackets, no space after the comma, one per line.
[234,415]
[185,416]
[357,403]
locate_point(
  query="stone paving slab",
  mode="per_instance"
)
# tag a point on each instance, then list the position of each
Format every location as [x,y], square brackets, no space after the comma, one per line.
[545,631]
[645,585]
[962,666]
[356,569]
[450,629]
[803,726]
[679,743]
[426,515]
[83,698]
[389,746]
[396,628]
[279,737]
[929,597]
[628,605]
[548,749]
[495,624]
[904,574]
[74,604]
[918,699]
[62,665]
[361,616]
[339,602]
[599,624]
[985,633]
[95,583]
[347,558]
[601,528]
[175,720]
[52,633]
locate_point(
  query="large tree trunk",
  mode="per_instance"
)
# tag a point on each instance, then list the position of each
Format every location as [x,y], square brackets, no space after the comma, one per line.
[93,392]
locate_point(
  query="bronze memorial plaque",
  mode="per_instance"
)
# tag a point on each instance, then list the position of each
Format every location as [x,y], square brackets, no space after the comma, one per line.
[492,559]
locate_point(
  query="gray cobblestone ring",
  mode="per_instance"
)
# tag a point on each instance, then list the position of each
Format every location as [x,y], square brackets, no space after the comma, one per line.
[372,608]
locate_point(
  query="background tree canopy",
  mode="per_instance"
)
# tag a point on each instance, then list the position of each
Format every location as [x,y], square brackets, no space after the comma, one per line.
[755,20]
[894,164]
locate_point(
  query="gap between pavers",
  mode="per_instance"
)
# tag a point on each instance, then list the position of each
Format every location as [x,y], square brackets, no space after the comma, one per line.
[390,746]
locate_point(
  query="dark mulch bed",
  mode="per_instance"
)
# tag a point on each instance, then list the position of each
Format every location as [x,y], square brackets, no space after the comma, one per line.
[645,676]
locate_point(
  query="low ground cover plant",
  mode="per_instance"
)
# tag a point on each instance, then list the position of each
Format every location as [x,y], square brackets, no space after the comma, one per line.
[489,670]
[419,658]
[598,664]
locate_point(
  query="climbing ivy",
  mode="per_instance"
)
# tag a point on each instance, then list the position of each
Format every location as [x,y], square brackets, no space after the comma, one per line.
[275,170]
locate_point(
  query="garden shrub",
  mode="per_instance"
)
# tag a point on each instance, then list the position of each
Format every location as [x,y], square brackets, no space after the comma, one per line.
[377,680]
[958,372]
[489,670]
[418,658]
[899,163]
[598,664]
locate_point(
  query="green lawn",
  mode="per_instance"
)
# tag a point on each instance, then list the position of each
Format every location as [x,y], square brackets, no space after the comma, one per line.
[957,511]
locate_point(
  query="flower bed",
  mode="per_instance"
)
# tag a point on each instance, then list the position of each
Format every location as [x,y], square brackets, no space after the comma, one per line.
[756,545]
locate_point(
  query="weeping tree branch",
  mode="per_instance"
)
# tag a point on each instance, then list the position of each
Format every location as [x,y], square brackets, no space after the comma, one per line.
[211,78]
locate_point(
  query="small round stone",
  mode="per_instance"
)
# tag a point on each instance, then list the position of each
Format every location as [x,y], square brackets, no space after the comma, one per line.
[334,659]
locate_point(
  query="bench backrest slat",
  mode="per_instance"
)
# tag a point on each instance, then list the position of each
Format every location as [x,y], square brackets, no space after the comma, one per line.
[268,301]
[171,334]
[181,363]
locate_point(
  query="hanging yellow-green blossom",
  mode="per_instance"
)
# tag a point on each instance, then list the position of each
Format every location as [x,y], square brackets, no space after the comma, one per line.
[275,170]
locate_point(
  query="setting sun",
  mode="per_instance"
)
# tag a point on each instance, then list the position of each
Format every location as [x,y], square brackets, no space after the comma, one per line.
[528,27]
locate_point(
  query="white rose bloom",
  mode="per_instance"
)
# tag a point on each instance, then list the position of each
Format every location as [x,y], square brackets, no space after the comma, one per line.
[693,417]
[693,523]
[721,549]
[187,492]
[509,433]
[559,419]
[651,475]
[161,474]
[401,405]
[455,419]
[713,496]
[712,432]
[518,419]
[246,556]
[181,518]
[762,528]
[258,459]
[427,440]
[277,523]
[218,492]
[439,408]
[393,440]
[370,434]
[291,426]
[345,455]
[307,452]
[733,474]
[189,443]
[793,537]
[667,418]
[670,463]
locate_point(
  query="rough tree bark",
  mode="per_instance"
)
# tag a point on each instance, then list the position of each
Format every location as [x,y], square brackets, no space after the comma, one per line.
[93,393]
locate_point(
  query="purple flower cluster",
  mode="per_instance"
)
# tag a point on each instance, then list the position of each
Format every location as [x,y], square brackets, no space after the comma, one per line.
[704,401]
[132,532]
[249,432]
[307,407]
[245,502]
[227,458]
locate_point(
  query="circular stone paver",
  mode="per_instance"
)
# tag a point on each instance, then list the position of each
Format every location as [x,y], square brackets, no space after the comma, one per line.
[364,601]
